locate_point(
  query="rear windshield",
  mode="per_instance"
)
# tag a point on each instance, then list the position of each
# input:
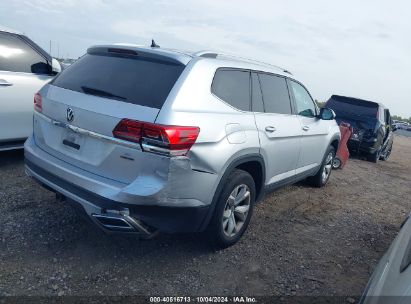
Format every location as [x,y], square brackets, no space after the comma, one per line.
[344,107]
[137,80]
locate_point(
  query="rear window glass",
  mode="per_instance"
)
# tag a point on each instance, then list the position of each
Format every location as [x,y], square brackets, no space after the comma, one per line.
[275,94]
[137,80]
[233,86]
[352,107]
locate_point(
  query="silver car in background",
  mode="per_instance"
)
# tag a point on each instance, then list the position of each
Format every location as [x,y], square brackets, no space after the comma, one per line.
[148,139]
[24,69]
[391,280]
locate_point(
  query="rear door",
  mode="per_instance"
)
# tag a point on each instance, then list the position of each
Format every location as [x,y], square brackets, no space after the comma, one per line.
[23,72]
[91,97]
[314,130]
[279,130]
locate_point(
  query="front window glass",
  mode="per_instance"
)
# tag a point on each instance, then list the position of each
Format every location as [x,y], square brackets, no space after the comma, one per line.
[305,104]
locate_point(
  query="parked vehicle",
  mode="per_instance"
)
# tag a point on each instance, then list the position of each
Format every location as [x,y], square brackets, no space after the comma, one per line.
[24,69]
[401,125]
[371,122]
[391,279]
[67,62]
[150,139]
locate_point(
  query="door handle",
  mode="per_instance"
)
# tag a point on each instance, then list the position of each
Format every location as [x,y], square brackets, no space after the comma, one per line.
[270,129]
[5,83]
[306,128]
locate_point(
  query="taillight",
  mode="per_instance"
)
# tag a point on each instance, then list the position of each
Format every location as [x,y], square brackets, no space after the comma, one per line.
[38,104]
[129,130]
[162,139]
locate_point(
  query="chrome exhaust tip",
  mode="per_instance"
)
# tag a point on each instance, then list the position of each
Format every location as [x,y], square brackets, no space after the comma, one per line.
[113,223]
[121,221]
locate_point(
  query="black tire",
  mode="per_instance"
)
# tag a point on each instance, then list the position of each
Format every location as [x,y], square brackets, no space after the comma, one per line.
[216,230]
[387,154]
[318,180]
[374,157]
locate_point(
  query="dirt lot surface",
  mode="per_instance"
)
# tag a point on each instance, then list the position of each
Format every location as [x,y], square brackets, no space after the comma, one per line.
[301,241]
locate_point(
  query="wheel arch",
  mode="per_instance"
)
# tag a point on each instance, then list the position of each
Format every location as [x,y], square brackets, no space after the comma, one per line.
[253,164]
[335,142]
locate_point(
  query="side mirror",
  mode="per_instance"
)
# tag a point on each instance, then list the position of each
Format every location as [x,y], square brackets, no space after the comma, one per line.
[55,66]
[327,114]
[394,128]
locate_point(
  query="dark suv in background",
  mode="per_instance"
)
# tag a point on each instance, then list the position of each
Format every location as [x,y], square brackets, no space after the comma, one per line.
[371,122]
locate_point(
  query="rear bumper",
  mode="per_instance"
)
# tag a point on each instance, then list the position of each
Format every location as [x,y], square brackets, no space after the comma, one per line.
[97,197]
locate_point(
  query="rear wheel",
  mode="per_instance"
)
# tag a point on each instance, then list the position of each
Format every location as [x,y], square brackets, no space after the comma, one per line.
[323,175]
[233,210]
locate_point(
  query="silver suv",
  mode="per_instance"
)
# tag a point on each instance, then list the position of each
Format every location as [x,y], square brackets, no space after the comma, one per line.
[24,69]
[148,139]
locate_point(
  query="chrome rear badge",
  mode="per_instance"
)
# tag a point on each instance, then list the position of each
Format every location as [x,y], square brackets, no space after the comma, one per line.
[70,114]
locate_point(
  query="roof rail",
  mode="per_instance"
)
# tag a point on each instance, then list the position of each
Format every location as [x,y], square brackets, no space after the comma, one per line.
[211,54]
[206,54]
[9,30]
[255,61]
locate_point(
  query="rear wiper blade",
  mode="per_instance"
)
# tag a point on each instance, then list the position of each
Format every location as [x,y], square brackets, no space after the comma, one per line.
[101,93]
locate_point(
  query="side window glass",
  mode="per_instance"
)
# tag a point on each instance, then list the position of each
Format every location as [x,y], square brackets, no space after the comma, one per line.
[233,86]
[382,115]
[275,94]
[256,96]
[17,56]
[304,103]
[387,117]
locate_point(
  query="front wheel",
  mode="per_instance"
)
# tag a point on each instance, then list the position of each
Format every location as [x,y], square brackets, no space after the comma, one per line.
[233,210]
[323,175]
[375,157]
[387,154]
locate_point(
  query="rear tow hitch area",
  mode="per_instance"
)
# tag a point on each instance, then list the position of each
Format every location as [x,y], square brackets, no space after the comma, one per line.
[121,221]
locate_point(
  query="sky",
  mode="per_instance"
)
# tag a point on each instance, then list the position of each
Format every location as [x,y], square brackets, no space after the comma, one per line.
[354,48]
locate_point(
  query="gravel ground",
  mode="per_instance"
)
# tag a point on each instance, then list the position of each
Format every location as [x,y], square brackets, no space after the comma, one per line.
[301,241]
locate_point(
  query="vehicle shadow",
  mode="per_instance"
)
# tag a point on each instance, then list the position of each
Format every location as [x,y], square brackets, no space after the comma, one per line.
[53,228]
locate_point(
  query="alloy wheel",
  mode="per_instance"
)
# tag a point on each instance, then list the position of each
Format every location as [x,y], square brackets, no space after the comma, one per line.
[236,210]
[327,167]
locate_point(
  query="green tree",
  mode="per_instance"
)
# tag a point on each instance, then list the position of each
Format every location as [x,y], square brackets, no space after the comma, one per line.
[319,103]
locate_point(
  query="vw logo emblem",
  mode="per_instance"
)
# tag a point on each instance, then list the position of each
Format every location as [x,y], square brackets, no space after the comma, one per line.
[70,114]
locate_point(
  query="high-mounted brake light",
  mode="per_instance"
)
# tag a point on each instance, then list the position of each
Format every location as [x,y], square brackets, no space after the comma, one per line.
[156,138]
[38,103]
